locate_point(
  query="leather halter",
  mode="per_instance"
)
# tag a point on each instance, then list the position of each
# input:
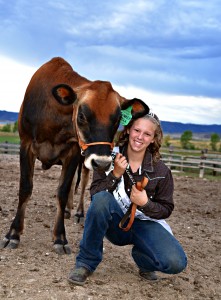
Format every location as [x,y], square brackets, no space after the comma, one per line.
[84,146]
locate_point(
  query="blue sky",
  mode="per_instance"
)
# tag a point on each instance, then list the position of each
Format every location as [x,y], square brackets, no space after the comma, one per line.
[166,52]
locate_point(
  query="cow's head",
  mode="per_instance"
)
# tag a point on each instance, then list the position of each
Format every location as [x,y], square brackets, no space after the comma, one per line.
[96,117]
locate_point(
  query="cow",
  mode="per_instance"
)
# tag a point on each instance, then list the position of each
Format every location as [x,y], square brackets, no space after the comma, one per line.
[63,116]
[81,179]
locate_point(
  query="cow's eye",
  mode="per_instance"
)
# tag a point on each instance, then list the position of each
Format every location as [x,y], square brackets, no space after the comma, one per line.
[81,118]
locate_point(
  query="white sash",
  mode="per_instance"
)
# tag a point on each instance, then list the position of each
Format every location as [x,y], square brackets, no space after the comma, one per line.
[124,202]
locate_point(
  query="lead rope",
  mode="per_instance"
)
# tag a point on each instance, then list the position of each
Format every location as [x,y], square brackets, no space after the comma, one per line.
[140,185]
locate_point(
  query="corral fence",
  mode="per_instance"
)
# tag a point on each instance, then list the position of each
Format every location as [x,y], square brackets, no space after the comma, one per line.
[8,148]
[178,160]
[202,162]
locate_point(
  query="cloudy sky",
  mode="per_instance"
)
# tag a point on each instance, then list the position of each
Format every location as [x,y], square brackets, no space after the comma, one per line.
[166,52]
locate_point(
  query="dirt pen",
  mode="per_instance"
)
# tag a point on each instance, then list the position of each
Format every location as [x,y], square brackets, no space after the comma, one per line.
[34,271]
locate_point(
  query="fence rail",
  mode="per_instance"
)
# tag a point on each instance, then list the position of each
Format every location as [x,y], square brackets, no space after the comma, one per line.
[172,159]
[8,148]
[182,163]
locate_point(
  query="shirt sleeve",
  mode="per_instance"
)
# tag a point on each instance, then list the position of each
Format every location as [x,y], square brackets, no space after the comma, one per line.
[103,182]
[162,205]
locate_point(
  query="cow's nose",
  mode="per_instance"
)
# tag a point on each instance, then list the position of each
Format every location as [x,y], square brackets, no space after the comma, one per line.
[100,165]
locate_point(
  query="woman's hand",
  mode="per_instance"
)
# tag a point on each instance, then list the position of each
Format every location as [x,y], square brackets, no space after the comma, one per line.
[138,197]
[120,165]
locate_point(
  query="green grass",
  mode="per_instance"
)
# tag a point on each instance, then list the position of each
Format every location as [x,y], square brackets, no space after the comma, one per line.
[9,137]
[198,144]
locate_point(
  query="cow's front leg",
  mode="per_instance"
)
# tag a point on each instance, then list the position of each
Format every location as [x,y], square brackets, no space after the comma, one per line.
[69,166]
[27,160]
[79,215]
[69,207]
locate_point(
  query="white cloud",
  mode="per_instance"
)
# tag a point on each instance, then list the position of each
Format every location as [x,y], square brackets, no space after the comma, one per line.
[166,49]
[14,78]
[184,109]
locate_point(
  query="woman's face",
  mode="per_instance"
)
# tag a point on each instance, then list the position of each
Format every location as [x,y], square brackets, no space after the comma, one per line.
[141,134]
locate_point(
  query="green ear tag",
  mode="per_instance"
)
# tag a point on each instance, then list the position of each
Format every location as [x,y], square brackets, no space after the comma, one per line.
[126,116]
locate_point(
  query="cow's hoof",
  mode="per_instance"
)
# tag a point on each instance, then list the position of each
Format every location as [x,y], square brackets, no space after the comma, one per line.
[79,219]
[67,249]
[67,214]
[4,243]
[12,244]
[62,249]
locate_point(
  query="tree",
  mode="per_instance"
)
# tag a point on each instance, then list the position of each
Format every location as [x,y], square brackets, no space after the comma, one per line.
[214,139]
[185,139]
[167,141]
[6,128]
[15,127]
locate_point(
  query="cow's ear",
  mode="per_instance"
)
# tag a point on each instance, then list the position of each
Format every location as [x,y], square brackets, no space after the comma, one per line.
[64,94]
[139,107]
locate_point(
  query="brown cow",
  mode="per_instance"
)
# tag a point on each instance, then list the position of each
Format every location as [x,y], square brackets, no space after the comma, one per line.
[82,180]
[64,115]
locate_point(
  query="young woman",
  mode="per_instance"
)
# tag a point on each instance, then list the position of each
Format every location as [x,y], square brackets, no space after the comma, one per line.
[154,247]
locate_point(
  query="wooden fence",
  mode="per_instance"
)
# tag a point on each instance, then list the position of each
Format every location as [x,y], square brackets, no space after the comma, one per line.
[201,164]
[7,148]
[175,161]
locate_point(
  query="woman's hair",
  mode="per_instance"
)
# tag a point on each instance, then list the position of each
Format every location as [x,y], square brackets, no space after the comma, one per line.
[154,147]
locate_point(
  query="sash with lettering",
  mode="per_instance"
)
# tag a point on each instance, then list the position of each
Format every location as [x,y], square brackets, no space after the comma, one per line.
[124,202]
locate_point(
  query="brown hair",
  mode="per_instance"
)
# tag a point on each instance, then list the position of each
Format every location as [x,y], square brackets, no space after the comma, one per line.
[158,136]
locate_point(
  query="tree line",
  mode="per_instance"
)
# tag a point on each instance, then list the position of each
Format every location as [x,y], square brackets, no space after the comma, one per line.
[10,127]
[185,139]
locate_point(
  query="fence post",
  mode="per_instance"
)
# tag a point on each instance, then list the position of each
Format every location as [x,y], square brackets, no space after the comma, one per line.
[181,164]
[170,156]
[214,171]
[6,147]
[201,166]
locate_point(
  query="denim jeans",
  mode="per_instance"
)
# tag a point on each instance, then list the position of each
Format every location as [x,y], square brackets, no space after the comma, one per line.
[154,248]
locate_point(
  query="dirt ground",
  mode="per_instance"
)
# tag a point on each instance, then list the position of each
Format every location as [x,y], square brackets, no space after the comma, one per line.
[34,271]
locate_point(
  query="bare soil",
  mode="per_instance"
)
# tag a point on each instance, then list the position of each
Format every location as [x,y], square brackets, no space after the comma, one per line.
[34,271]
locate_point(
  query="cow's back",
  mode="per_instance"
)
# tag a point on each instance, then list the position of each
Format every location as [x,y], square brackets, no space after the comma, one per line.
[45,124]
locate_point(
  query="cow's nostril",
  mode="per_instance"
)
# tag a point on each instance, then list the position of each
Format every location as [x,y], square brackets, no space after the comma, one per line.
[100,165]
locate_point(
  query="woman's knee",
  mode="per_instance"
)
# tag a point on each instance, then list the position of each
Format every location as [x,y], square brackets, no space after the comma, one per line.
[175,264]
[101,201]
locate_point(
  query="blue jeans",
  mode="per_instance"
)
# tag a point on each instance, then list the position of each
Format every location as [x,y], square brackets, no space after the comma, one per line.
[154,248]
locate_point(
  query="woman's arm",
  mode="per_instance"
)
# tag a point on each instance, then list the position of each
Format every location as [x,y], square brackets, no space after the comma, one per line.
[103,182]
[162,205]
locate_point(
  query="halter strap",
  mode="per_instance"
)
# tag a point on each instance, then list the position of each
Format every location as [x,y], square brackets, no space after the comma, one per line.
[84,146]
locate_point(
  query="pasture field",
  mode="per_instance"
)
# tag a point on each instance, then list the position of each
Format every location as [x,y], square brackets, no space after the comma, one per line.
[9,137]
[34,271]
[199,144]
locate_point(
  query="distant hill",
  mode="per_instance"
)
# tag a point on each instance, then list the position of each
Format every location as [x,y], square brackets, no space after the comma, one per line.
[8,117]
[179,128]
[172,128]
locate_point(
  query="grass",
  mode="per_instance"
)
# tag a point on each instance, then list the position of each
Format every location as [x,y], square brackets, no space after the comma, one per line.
[9,137]
[198,144]
[13,138]
[196,175]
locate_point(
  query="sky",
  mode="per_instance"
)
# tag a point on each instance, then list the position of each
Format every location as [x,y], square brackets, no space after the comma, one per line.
[165,52]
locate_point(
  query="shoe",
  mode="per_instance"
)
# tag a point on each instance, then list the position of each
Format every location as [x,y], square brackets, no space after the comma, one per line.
[148,275]
[79,276]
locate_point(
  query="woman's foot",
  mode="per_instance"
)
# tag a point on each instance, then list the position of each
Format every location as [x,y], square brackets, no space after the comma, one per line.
[79,275]
[148,275]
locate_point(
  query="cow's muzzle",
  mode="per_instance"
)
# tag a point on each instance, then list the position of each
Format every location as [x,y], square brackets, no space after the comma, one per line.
[84,146]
